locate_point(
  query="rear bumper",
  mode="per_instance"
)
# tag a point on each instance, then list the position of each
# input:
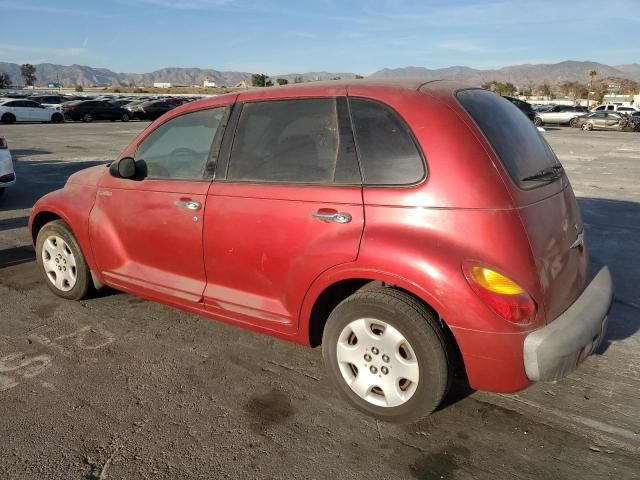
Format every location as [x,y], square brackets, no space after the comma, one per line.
[552,352]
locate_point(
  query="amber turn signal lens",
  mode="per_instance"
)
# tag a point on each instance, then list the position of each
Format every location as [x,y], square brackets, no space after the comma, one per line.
[495,282]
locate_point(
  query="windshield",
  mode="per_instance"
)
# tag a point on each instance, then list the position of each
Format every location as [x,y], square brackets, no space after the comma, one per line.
[516,141]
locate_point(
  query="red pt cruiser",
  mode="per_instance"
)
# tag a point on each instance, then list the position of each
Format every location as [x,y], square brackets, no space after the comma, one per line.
[403,226]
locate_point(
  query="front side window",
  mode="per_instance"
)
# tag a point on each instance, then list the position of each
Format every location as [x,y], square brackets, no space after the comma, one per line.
[388,154]
[294,141]
[180,148]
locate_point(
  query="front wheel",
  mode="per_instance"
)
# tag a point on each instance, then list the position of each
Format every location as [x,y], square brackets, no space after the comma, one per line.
[57,118]
[61,261]
[8,118]
[387,355]
[87,118]
[125,117]
[538,122]
[587,126]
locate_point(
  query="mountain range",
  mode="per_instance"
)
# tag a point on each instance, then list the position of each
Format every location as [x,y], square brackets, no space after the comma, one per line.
[520,75]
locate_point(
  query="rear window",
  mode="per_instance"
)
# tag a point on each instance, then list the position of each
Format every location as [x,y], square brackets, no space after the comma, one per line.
[518,144]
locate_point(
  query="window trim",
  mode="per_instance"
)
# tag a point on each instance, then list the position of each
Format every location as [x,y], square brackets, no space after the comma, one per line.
[423,157]
[207,165]
[228,144]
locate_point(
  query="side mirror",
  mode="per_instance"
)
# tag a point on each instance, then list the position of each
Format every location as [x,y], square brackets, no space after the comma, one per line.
[123,168]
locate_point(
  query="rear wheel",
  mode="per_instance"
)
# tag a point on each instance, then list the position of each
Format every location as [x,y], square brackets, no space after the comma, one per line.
[8,118]
[61,261]
[538,122]
[387,355]
[125,117]
[572,122]
[87,118]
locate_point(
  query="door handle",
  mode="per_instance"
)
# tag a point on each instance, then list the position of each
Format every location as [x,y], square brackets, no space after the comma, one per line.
[337,217]
[189,204]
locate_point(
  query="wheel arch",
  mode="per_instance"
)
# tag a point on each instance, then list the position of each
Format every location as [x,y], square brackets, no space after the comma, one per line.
[331,292]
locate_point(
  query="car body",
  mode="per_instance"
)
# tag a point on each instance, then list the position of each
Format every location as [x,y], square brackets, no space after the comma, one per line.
[525,107]
[7,173]
[90,110]
[365,216]
[51,100]
[151,110]
[604,120]
[615,108]
[23,110]
[560,115]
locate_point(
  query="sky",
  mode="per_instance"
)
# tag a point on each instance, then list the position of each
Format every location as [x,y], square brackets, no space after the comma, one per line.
[278,37]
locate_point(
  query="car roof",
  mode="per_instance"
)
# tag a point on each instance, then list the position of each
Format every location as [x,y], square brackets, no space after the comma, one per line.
[438,88]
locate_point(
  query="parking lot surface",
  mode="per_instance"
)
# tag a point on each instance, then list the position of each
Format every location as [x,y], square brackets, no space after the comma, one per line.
[117,387]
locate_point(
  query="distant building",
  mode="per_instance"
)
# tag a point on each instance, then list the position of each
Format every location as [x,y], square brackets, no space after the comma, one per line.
[209,84]
[162,85]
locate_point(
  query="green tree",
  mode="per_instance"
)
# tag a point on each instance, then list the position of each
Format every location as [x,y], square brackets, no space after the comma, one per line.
[298,79]
[79,88]
[282,81]
[260,80]
[544,90]
[5,80]
[501,88]
[28,72]
[359,77]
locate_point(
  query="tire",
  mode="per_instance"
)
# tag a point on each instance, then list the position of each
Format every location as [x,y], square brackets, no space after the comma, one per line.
[57,118]
[8,118]
[87,118]
[125,117]
[57,249]
[538,122]
[587,126]
[418,346]
[572,122]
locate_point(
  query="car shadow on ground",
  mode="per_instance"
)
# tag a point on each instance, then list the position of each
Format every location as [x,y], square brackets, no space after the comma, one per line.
[613,239]
[37,178]
[16,255]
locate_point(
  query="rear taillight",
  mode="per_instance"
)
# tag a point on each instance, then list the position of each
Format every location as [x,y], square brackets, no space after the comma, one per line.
[500,293]
[3,144]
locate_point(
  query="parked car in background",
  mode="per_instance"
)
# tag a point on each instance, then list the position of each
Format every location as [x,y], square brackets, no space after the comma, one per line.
[560,115]
[603,120]
[151,110]
[258,209]
[524,107]
[90,110]
[614,108]
[50,100]
[7,174]
[120,102]
[23,110]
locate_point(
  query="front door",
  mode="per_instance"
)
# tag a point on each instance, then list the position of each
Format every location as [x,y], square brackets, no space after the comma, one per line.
[147,233]
[289,209]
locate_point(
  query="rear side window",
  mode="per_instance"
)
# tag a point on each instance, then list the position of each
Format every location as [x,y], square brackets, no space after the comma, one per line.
[516,141]
[388,154]
[294,141]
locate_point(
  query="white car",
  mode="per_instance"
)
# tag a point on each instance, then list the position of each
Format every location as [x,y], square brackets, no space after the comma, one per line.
[23,110]
[615,108]
[7,175]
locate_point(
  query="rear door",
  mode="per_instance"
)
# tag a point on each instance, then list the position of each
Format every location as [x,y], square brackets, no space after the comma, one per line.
[288,208]
[147,233]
